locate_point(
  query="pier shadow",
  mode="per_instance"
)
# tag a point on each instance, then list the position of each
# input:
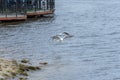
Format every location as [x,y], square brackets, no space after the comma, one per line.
[41,18]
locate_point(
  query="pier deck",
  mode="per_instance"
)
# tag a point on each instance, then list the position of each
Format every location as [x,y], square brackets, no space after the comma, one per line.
[40,12]
[12,17]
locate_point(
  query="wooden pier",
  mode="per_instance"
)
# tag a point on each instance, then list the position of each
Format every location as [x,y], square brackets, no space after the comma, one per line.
[12,17]
[39,13]
[17,10]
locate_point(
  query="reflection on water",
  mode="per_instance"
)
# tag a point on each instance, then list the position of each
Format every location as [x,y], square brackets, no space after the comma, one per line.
[92,54]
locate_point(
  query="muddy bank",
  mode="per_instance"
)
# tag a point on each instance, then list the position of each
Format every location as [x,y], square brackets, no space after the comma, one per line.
[11,69]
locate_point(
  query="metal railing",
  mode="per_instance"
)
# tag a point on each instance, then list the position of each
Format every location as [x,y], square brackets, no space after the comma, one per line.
[12,7]
[20,7]
[40,5]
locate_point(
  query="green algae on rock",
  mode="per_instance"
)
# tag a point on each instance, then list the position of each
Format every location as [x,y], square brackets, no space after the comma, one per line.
[11,68]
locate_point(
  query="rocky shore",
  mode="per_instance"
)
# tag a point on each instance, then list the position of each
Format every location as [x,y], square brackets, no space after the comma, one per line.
[10,69]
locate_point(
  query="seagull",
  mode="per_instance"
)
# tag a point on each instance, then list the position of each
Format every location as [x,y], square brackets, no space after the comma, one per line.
[62,36]
[58,38]
[67,35]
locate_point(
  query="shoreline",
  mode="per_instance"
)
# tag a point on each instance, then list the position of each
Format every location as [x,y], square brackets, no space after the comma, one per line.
[11,69]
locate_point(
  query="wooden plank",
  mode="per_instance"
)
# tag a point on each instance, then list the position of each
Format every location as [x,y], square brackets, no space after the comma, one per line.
[37,13]
[12,18]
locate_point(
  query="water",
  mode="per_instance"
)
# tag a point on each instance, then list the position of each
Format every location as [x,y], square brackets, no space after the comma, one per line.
[92,54]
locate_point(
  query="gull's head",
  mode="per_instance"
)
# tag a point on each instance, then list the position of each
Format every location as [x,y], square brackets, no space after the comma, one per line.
[66,33]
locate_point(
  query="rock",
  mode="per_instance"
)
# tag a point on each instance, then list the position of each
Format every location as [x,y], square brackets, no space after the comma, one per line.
[24,61]
[2,78]
[11,68]
[22,78]
[43,63]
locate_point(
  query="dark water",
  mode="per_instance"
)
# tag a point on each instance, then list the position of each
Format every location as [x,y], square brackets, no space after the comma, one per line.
[92,54]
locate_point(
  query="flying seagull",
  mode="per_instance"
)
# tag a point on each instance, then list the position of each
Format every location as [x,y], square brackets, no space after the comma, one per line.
[62,36]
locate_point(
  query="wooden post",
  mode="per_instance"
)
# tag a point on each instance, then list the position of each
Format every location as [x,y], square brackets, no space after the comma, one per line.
[5,2]
[16,8]
[39,4]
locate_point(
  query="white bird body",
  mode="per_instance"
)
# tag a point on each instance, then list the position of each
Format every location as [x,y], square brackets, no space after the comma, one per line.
[58,37]
[61,36]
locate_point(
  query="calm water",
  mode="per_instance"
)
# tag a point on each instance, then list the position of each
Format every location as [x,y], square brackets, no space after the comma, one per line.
[92,54]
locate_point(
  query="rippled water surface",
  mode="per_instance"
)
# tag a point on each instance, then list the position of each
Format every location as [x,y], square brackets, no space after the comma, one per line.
[92,54]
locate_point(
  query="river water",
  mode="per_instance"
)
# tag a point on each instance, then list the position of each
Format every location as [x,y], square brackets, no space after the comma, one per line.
[92,54]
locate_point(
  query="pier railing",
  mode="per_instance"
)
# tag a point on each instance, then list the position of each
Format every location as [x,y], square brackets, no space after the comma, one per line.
[10,8]
[22,8]
[40,5]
